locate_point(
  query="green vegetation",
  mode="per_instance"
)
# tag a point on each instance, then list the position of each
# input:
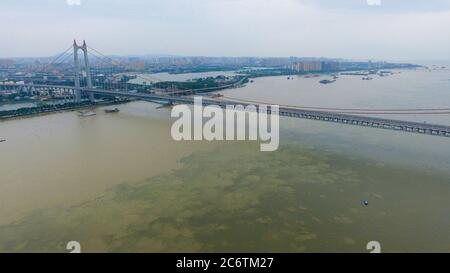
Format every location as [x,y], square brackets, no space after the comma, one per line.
[255,73]
[214,83]
[48,108]
[197,69]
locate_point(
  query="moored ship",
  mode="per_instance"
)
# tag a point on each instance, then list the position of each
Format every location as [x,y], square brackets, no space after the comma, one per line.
[115,110]
[86,113]
[327,81]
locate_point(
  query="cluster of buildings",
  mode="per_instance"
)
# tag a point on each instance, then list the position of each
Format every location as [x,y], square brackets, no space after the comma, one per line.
[6,63]
[315,66]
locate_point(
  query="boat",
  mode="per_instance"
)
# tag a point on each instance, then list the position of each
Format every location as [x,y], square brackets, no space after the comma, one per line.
[361,73]
[216,96]
[327,81]
[367,78]
[87,113]
[115,110]
[2,140]
[165,105]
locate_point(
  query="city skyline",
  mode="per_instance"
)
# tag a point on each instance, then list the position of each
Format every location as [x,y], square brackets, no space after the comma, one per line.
[353,29]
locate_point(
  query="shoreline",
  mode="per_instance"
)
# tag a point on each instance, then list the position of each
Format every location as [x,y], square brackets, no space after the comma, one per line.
[64,109]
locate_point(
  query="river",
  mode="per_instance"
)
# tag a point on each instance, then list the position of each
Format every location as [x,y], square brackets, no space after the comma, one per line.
[118,183]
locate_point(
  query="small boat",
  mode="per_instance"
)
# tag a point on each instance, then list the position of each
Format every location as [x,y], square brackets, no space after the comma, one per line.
[87,113]
[165,105]
[2,140]
[115,110]
[327,81]
[216,96]
[367,79]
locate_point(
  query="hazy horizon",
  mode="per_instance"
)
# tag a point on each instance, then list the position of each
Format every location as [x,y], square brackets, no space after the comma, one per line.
[156,55]
[400,30]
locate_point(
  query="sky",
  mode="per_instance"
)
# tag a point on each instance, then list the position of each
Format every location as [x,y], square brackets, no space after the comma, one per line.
[351,29]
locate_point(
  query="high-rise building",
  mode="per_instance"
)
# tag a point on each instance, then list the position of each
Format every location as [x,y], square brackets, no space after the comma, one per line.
[315,66]
[6,63]
[307,66]
[330,66]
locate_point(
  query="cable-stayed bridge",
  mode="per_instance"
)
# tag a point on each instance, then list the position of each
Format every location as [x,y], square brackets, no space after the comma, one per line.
[100,78]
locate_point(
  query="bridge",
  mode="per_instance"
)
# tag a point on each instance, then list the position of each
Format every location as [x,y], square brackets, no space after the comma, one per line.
[180,97]
[390,124]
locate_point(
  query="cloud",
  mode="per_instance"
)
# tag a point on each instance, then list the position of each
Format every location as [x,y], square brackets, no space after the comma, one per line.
[374,2]
[234,27]
[73,2]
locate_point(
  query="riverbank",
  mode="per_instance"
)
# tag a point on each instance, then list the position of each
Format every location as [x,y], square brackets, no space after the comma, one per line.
[49,109]
[258,73]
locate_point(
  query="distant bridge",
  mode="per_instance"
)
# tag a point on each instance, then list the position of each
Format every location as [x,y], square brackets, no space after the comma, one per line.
[389,124]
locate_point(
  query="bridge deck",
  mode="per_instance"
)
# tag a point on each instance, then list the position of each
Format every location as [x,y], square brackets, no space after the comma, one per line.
[390,124]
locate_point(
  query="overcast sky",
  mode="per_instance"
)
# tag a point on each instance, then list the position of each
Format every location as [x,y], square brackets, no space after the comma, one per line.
[357,29]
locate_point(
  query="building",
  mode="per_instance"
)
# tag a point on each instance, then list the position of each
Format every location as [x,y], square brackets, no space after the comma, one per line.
[6,63]
[315,66]
[330,66]
[306,66]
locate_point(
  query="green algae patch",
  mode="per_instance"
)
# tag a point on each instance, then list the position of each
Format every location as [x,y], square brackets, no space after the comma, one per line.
[236,198]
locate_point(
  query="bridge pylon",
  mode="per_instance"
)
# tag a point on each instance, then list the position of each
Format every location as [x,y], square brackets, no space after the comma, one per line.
[87,66]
